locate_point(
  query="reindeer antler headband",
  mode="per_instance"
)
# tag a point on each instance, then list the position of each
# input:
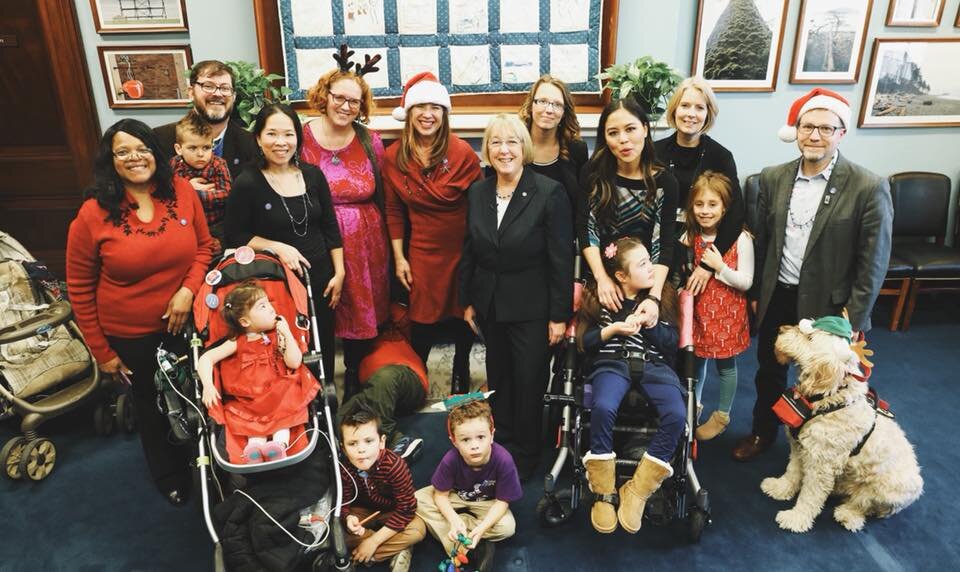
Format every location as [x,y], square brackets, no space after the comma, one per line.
[343,60]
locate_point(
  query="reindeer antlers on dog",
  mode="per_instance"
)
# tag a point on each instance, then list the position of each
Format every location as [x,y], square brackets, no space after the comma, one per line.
[343,60]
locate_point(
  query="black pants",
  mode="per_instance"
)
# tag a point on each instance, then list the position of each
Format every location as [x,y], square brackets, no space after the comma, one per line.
[425,336]
[169,463]
[771,378]
[518,368]
[325,316]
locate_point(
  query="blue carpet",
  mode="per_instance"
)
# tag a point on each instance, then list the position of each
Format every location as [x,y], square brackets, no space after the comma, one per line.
[98,510]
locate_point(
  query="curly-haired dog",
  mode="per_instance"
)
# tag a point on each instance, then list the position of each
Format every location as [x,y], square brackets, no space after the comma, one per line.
[879,480]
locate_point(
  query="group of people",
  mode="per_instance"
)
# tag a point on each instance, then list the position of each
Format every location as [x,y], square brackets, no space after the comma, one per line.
[489,258]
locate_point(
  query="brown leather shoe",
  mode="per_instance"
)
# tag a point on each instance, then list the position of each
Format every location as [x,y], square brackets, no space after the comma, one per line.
[750,447]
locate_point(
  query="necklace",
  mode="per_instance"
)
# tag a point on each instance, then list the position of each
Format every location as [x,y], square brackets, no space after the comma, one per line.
[335,154]
[294,223]
[504,196]
[796,218]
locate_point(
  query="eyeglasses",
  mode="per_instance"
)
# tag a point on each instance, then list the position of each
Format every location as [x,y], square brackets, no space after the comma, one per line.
[547,104]
[339,100]
[494,143]
[124,154]
[824,130]
[211,88]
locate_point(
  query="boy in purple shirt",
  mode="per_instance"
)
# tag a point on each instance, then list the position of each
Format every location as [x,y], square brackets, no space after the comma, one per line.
[472,488]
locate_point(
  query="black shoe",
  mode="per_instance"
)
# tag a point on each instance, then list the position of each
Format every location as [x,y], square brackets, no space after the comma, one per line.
[459,383]
[408,448]
[176,497]
[481,557]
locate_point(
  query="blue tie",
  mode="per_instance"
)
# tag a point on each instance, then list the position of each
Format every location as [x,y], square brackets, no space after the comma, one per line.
[218,148]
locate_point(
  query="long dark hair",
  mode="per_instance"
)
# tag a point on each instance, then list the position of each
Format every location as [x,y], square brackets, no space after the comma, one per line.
[261,123]
[602,166]
[107,186]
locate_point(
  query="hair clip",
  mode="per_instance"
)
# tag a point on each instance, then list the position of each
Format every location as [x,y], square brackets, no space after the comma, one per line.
[343,61]
[228,305]
[611,250]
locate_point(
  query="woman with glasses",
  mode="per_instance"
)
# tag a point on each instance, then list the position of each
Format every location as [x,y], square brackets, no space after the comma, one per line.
[688,152]
[350,156]
[516,279]
[285,207]
[426,175]
[136,254]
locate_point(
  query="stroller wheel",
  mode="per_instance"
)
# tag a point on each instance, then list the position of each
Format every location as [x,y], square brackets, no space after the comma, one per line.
[10,457]
[38,458]
[102,420]
[126,417]
[554,510]
[698,520]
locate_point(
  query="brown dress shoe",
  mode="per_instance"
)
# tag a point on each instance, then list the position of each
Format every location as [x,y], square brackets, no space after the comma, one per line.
[750,447]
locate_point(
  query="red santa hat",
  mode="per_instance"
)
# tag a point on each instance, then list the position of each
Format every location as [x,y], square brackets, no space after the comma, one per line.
[816,98]
[421,88]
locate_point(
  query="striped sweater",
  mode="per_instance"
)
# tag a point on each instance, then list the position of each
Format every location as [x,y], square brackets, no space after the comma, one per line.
[387,487]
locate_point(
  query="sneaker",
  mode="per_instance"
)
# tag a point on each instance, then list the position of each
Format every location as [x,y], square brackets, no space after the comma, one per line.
[408,447]
[401,561]
[481,557]
[253,453]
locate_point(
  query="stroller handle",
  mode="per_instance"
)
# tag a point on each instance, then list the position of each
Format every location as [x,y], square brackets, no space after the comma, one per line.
[686,319]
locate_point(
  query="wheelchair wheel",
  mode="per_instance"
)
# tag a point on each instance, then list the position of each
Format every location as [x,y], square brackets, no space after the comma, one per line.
[698,521]
[554,510]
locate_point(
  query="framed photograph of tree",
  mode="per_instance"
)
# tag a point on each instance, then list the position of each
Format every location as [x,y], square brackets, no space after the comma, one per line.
[737,45]
[917,13]
[913,83]
[830,39]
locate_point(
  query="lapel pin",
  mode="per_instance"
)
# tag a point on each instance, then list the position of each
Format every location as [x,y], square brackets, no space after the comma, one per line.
[523,194]
[183,222]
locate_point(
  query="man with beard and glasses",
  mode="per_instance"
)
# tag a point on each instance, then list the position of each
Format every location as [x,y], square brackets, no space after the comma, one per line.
[822,243]
[212,93]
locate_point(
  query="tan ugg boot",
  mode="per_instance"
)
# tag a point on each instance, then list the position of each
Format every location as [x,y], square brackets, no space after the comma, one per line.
[635,492]
[714,426]
[602,480]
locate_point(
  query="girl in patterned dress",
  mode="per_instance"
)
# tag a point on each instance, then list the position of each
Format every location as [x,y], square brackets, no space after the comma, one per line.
[720,328]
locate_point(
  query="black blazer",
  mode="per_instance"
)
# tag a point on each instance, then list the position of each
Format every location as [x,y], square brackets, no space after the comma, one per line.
[239,146]
[524,269]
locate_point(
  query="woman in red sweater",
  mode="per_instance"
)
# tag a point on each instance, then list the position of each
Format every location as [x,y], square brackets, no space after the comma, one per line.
[136,255]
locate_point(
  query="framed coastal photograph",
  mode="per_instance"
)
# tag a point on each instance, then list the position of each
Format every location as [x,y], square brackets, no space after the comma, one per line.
[145,76]
[919,13]
[737,45]
[830,39]
[913,83]
[139,16]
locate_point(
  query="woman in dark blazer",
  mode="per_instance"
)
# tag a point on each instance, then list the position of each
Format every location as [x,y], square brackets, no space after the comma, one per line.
[517,281]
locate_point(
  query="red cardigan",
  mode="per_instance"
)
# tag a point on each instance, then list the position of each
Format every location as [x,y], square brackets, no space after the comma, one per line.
[121,277]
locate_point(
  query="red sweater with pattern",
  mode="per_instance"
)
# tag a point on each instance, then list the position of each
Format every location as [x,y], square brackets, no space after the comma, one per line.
[121,277]
[388,487]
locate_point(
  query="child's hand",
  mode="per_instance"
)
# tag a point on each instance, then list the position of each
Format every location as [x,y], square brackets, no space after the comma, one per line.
[201,184]
[627,327]
[457,527]
[353,525]
[475,535]
[283,327]
[210,395]
[365,550]
[713,258]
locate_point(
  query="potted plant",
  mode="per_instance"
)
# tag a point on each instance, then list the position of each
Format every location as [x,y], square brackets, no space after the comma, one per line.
[649,82]
[255,89]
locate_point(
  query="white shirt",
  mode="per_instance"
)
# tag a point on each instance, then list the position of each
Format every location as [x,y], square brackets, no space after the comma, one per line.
[804,203]
[741,278]
[502,205]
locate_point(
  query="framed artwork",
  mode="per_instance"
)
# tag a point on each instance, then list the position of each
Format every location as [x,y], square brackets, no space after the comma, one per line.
[145,76]
[830,39]
[919,13]
[139,16]
[737,44]
[956,23]
[913,82]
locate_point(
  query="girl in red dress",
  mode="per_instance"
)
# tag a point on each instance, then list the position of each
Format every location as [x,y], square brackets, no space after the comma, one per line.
[266,388]
[720,328]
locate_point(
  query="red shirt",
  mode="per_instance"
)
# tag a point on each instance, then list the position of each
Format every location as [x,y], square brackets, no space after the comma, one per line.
[391,348]
[121,277]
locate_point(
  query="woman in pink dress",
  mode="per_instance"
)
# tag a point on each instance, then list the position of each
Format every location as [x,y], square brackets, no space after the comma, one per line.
[350,155]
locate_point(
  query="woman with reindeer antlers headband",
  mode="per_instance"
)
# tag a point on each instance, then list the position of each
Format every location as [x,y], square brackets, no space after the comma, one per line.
[350,155]
[426,175]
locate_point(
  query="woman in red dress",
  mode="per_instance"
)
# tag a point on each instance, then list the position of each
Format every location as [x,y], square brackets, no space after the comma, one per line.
[426,175]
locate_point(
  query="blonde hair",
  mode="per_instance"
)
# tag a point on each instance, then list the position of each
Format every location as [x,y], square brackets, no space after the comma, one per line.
[701,85]
[511,124]
[408,142]
[569,128]
[317,96]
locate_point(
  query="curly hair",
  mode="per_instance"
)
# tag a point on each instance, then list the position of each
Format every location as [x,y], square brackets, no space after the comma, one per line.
[569,128]
[317,96]
[473,410]
[108,187]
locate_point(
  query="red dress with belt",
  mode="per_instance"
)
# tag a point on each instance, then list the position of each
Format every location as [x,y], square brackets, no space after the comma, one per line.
[435,205]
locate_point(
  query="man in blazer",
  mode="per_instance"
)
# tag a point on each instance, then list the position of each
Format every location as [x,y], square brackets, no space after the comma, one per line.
[213,96]
[822,244]
[516,277]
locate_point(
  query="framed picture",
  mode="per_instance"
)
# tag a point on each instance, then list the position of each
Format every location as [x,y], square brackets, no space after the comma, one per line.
[913,82]
[737,45]
[920,13]
[139,16]
[830,39]
[145,76]
[956,23]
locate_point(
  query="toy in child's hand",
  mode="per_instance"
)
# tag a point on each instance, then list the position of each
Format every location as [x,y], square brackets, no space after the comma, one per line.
[458,556]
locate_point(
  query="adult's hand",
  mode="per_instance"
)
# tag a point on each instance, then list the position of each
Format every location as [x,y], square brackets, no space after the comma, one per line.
[178,309]
[555,332]
[649,313]
[609,294]
[470,317]
[698,280]
[404,274]
[289,256]
[114,366]
[333,289]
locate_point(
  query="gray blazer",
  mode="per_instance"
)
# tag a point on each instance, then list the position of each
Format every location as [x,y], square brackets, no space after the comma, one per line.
[849,249]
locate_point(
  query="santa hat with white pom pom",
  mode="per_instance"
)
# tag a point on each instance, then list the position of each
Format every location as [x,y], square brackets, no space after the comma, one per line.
[816,98]
[421,88]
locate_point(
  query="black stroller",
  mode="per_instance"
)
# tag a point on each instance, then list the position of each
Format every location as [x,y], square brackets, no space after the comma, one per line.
[231,490]
[636,425]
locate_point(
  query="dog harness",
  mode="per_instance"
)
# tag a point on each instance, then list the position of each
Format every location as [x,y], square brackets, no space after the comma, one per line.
[795,411]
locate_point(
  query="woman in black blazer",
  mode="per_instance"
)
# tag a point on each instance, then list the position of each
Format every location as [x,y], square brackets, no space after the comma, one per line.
[516,278]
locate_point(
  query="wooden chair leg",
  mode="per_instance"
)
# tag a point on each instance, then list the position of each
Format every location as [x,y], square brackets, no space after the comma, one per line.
[911,304]
[901,301]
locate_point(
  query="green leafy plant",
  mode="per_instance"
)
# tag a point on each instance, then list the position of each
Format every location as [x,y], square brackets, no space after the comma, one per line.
[648,81]
[255,89]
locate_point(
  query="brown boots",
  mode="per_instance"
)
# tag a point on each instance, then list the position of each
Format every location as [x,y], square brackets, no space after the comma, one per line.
[635,492]
[714,426]
[602,480]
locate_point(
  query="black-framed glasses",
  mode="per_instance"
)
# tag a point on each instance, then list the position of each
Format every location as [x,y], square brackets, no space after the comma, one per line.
[211,88]
[124,154]
[547,104]
[823,130]
[339,100]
